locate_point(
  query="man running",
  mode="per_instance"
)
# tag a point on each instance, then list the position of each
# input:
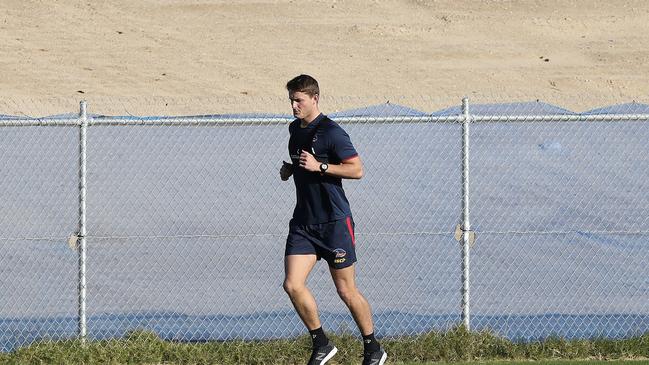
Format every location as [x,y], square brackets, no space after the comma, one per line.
[322,155]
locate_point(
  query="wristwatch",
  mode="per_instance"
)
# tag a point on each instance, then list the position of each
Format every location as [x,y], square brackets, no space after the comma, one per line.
[323,167]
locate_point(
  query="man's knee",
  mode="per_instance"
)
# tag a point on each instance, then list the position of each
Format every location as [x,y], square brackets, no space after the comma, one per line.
[293,288]
[347,292]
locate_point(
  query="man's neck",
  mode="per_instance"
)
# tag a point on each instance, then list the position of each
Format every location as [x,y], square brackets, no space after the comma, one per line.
[306,121]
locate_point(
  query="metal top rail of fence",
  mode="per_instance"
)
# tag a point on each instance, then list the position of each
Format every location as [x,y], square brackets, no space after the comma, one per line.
[218,120]
[230,120]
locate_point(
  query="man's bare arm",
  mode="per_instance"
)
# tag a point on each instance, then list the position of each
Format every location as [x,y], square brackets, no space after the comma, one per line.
[349,169]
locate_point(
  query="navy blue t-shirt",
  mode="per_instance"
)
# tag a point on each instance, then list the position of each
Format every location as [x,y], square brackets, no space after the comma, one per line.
[320,198]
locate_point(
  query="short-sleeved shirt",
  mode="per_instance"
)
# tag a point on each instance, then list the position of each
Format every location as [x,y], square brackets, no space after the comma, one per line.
[320,198]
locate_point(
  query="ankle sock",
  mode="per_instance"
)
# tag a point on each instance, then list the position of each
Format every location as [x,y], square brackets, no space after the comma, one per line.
[370,344]
[319,338]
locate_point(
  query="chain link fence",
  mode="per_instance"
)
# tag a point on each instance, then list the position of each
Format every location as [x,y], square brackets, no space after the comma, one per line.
[185,220]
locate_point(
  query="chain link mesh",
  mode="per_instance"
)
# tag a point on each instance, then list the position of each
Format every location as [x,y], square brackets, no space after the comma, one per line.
[561,211]
[187,219]
[38,270]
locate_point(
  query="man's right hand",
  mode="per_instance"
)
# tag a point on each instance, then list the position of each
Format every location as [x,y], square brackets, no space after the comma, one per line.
[286,170]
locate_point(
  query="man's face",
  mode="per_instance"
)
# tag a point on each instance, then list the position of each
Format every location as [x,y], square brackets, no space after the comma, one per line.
[303,105]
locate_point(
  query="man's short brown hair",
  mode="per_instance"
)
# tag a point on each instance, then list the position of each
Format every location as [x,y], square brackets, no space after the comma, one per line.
[304,84]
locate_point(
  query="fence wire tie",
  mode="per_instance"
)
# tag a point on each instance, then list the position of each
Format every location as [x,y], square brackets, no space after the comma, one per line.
[459,235]
[73,241]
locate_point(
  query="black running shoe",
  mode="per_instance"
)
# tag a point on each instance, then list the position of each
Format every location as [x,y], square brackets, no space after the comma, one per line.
[375,358]
[321,355]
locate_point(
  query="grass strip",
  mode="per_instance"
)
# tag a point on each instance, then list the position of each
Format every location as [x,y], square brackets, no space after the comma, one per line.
[455,345]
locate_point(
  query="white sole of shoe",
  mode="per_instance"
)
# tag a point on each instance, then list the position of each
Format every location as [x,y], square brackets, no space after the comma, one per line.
[383,358]
[328,357]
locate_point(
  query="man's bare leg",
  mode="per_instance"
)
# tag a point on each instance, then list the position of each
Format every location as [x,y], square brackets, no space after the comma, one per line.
[297,269]
[361,311]
[345,282]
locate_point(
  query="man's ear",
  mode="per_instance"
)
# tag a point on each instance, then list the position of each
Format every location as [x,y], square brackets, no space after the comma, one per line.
[317,98]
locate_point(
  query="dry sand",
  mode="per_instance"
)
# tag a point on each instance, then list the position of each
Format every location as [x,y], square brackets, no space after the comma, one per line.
[194,57]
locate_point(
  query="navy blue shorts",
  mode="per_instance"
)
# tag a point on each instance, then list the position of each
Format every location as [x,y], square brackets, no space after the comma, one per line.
[332,241]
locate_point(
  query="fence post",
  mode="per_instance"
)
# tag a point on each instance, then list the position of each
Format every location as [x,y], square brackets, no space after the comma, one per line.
[466,226]
[83,119]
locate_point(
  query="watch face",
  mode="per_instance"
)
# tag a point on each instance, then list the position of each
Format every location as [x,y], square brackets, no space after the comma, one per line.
[324,167]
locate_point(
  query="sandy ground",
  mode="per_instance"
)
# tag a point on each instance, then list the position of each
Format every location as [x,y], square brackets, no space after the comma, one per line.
[191,57]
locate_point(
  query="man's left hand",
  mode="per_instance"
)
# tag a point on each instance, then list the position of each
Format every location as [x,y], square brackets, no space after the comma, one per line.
[308,162]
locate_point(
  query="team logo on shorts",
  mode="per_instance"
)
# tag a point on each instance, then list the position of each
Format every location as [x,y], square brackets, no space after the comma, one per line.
[340,252]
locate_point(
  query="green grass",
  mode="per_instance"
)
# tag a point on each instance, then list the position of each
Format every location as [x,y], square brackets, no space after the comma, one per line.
[541,362]
[455,346]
